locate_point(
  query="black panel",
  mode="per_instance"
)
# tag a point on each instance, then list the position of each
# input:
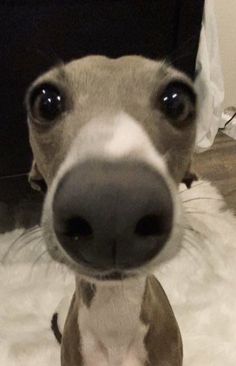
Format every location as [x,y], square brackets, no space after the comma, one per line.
[188,33]
[35,35]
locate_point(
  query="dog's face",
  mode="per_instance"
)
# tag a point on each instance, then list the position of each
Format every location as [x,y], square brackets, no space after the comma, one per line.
[112,139]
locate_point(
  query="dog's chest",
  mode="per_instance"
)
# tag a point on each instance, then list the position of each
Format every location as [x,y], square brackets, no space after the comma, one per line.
[111,331]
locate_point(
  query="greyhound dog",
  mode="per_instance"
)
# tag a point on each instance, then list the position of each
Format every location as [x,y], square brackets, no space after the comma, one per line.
[112,139]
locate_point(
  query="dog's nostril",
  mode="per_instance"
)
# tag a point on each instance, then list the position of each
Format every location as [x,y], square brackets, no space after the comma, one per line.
[149,225]
[78,227]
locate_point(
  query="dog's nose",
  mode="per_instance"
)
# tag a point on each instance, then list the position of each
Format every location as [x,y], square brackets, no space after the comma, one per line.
[112,215]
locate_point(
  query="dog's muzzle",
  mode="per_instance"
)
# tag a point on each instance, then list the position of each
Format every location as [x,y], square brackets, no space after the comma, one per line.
[112,215]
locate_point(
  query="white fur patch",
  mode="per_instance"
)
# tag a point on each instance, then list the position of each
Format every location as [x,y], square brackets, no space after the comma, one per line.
[111,330]
[130,140]
[112,138]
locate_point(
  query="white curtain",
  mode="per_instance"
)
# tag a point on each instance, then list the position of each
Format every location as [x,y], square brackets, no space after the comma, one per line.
[209,81]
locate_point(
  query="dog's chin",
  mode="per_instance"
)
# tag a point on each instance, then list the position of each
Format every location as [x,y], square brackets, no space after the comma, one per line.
[95,275]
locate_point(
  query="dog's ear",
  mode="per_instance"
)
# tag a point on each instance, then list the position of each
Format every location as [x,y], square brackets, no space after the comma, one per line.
[189,178]
[36,179]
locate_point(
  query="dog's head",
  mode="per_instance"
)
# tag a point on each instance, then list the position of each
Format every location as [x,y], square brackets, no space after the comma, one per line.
[112,138]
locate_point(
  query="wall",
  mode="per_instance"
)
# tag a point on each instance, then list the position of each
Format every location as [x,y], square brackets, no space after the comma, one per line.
[226,19]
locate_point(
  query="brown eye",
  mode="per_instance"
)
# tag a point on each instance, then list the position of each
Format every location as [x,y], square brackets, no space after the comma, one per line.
[46,103]
[178,101]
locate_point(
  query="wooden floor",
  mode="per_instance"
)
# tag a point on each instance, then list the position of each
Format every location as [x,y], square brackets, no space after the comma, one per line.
[219,166]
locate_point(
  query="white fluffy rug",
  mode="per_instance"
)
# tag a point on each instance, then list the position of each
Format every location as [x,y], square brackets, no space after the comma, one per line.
[200,283]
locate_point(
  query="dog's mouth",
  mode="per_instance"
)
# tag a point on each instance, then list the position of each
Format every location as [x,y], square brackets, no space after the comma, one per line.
[107,268]
[93,271]
[113,276]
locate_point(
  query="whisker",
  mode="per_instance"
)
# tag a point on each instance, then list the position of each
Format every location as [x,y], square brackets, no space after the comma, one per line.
[204,198]
[172,60]
[188,245]
[193,186]
[27,233]
[192,230]
[50,56]
[180,52]
[28,242]
[188,251]
[40,256]
[191,241]
[211,214]
[13,176]
[49,265]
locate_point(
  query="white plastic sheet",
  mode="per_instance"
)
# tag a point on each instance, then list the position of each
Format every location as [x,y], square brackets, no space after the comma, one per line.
[209,81]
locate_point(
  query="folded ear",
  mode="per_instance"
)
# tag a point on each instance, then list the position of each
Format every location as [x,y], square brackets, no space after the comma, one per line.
[189,178]
[36,179]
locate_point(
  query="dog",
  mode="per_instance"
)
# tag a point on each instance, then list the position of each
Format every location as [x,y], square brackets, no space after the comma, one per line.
[112,139]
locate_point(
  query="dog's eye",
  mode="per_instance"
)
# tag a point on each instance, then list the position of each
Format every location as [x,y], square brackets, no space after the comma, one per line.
[46,103]
[177,101]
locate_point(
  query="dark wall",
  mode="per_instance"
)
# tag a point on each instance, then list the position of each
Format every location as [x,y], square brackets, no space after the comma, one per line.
[34,35]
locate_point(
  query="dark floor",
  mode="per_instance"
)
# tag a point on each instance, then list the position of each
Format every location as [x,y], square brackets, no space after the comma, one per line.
[20,205]
[219,166]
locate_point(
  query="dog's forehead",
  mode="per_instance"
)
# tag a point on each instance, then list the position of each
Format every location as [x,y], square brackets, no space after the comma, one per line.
[129,69]
[116,78]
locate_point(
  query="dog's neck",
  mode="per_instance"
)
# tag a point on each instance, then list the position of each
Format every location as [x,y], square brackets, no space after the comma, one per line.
[90,291]
[128,323]
[109,320]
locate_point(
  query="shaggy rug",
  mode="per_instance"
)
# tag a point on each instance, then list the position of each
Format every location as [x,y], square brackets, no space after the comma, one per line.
[200,282]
